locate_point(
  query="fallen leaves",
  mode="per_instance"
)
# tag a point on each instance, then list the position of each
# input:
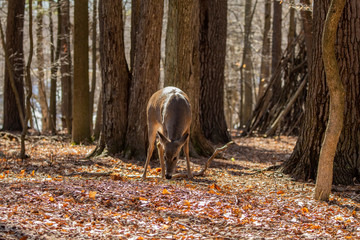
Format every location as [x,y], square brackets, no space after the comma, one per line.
[73,199]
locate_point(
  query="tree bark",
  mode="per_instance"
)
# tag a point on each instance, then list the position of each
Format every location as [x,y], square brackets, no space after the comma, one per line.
[55,53]
[171,58]
[145,75]
[135,18]
[93,63]
[337,102]
[276,45]
[65,67]
[28,85]
[115,76]
[15,54]
[265,52]
[246,71]
[303,162]
[81,115]
[306,17]
[213,22]
[40,66]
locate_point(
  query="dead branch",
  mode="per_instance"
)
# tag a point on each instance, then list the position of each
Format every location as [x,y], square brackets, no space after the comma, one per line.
[208,162]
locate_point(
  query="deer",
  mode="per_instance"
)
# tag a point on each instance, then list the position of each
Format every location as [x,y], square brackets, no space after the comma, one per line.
[168,116]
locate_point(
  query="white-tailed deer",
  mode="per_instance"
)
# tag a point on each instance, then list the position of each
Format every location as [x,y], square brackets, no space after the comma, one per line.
[169,115]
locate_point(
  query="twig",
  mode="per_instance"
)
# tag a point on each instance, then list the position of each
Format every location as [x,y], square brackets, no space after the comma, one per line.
[187,226]
[208,162]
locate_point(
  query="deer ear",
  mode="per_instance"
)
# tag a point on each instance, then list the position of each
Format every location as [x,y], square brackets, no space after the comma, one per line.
[183,139]
[163,139]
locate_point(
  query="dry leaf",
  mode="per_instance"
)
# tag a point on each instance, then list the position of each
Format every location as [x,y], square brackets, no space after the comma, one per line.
[165,191]
[92,194]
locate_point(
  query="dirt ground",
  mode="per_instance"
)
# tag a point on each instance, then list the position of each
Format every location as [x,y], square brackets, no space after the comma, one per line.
[58,194]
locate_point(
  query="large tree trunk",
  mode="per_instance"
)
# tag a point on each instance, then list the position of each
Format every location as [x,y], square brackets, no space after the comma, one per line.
[337,102]
[81,115]
[135,18]
[145,75]
[65,67]
[306,18]
[188,76]
[171,60]
[115,76]
[213,21]
[303,162]
[15,53]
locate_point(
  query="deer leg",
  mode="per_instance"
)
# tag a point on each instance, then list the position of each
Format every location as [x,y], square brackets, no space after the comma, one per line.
[161,156]
[152,138]
[186,151]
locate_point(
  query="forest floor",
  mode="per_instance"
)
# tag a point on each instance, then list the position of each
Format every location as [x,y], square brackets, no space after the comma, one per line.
[57,194]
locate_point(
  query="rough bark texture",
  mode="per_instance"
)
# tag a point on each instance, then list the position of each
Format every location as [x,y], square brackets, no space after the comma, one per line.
[276,45]
[135,17]
[115,76]
[265,52]
[171,63]
[15,53]
[188,56]
[337,97]
[246,71]
[145,75]
[303,162]
[55,53]
[40,66]
[306,18]
[65,67]
[213,21]
[81,115]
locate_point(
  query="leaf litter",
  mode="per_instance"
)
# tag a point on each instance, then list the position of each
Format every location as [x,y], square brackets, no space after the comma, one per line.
[57,194]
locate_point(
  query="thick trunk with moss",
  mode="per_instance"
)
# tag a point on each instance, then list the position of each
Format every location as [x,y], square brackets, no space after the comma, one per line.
[303,162]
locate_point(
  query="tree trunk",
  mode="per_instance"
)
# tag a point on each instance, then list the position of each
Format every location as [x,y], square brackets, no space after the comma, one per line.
[15,54]
[306,17]
[188,76]
[40,66]
[265,52]
[213,21]
[55,53]
[81,115]
[115,76]
[65,67]
[93,63]
[171,59]
[246,70]
[303,162]
[135,18]
[99,115]
[145,75]
[276,45]
[28,85]
[337,103]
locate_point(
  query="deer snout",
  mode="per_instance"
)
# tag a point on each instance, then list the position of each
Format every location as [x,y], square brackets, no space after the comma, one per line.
[167,176]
